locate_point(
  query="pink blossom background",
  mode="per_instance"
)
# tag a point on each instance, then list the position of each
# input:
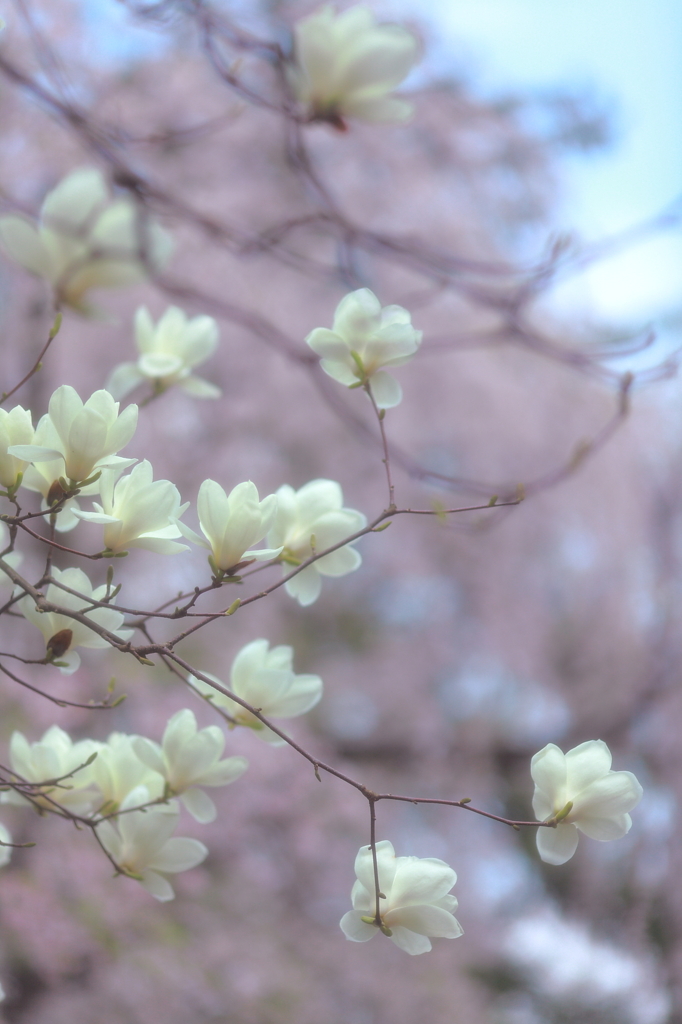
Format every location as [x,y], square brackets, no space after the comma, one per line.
[460,647]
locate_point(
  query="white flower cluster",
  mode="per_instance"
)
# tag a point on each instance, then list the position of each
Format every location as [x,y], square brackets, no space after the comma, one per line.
[364,338]
[85,239]
[346,65]
[127,788]
[130,788]
[265,679]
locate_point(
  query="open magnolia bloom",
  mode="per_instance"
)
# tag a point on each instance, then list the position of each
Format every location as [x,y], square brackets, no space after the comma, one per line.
[414,903]
[5,850]
[53,757]
[232,523]
[580,790]
[85,436]
[62,633]
[311,520]
[363,339]
[142,845]
[44,478]
[86,240]
[138,512]
[16,427]
[117,771]
[189,758]
[168,353]
[265,679]
[346,65]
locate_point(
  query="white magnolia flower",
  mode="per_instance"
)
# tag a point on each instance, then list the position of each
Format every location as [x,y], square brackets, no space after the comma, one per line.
[5,851]
[416,903]
[188,758]
[138,512]
[16,427]
[54,756]
[168,353]
[118,770]
[43,477]
[62,633]
[85,239]
[265,679]
[581,790]
[86,436]
[232,523]
[364,338]
[142,845]
[313,518]
[346,65]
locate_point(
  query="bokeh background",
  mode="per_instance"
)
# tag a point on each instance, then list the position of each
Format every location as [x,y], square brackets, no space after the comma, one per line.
[526,217]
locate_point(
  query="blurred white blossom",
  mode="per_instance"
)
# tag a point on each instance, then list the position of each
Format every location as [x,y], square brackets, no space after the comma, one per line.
[137,511]
[581,790]
[168,353]
[189,758]
[53,757]
[232,523]
[346,65]
[118,770]
[43,477]
[62,633]
[363,339]
[5,851]
[16,427]
[310,520]
[85,239]
[86,435]
[142,846]
[414,905]
[265,679]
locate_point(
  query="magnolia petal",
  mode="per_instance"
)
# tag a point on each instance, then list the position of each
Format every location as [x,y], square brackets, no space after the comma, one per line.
[605,829]
[340,371]
[557,845]
[262,554]
[199,388]
[123,379]
[157,886]
[386,863]
[199,805]
[614,794]
[421,880]
[34,453]
[355,929]
[224,772]
[329,345]
[410,941]
[305,587]
[585,764]
[23,243]
[386,390]
[303,694]
[179,854]
[425,920]
[149,753]
[340,562]
[68,663]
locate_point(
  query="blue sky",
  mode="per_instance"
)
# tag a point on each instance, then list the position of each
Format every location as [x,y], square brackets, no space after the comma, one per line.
[629,52]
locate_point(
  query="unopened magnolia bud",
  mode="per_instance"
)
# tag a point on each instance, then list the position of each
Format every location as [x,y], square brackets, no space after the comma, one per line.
[59,643]
[56,493]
